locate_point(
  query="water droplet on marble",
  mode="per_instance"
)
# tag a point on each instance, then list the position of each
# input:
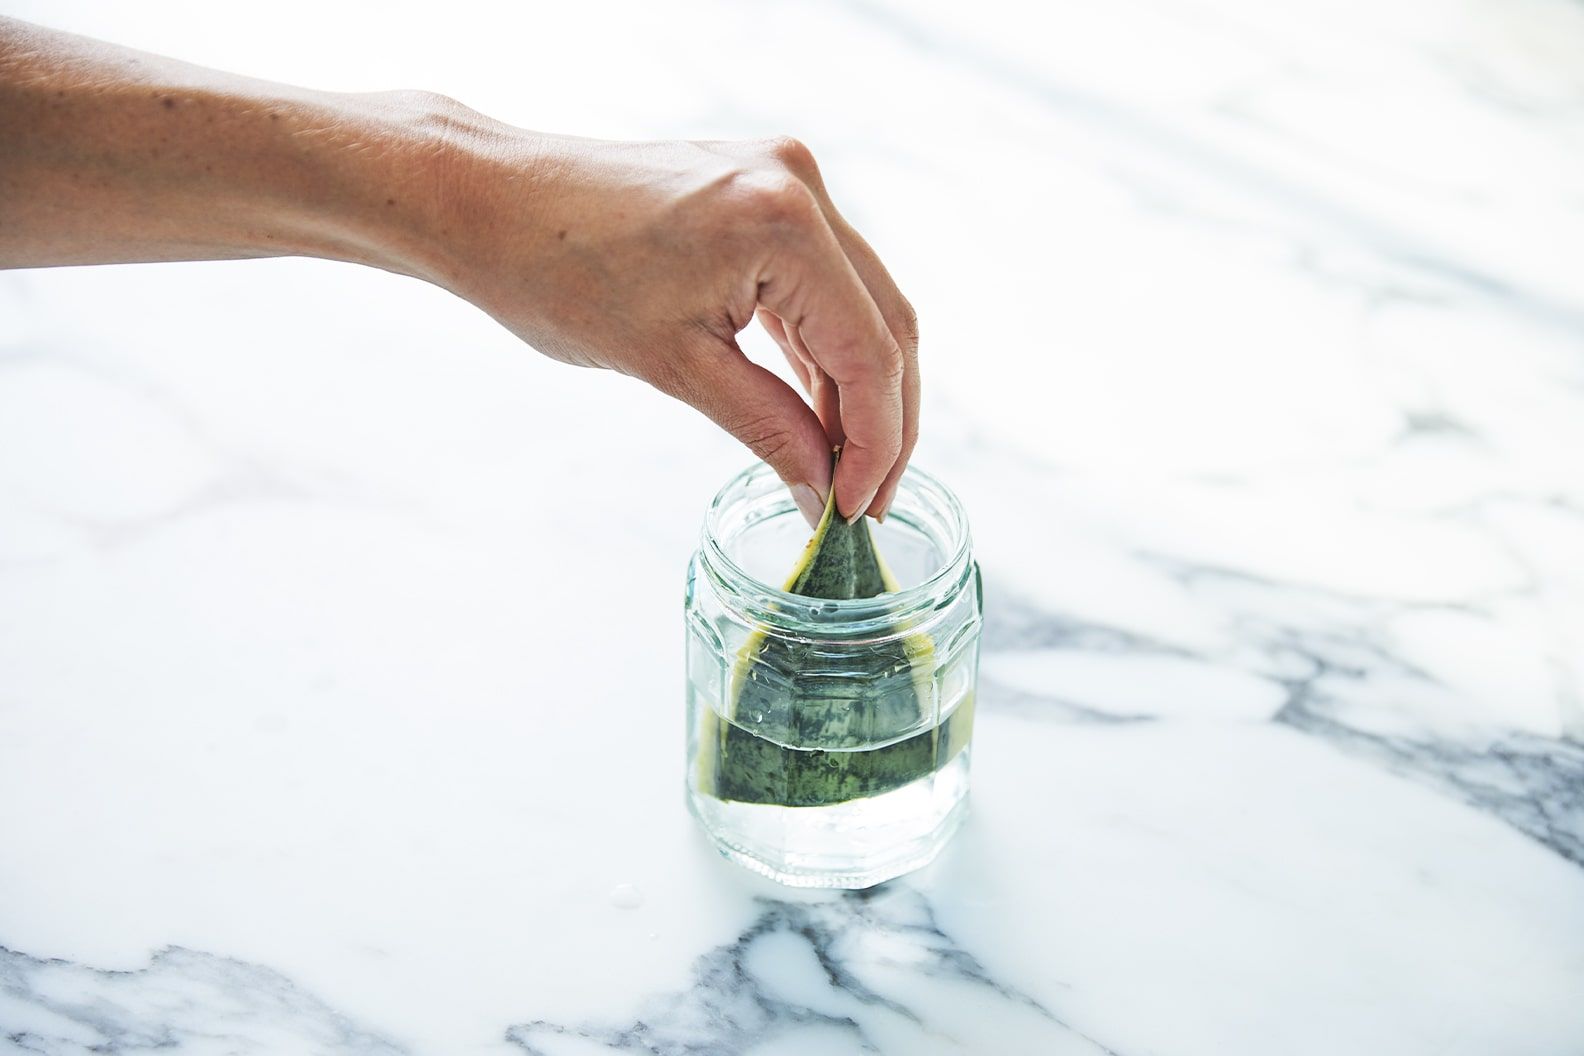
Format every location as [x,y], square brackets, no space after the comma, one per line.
[626,896]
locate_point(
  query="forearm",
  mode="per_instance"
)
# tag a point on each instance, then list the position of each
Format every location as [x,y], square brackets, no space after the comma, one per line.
[646,258]
[113,155]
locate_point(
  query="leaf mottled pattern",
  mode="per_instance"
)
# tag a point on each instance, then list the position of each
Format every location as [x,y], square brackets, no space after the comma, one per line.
[803,713]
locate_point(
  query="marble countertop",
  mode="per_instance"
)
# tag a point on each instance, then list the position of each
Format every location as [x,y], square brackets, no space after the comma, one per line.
[340,667]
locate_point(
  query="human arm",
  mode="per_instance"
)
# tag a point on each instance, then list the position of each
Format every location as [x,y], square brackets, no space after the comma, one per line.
[644,258]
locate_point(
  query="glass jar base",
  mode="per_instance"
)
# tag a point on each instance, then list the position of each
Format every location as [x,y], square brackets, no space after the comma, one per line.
[848,845]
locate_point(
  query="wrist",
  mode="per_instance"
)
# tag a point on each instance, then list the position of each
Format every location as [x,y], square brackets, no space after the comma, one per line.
[373,187]
[429,185]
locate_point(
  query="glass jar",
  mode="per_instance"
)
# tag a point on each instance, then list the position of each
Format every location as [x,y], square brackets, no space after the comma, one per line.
[827,741]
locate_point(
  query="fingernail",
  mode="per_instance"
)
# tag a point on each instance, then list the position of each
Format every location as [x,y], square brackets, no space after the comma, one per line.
[884,509]
[808,501]
[863,507]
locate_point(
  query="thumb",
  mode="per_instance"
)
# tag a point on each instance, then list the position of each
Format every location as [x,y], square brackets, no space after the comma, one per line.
[762,411]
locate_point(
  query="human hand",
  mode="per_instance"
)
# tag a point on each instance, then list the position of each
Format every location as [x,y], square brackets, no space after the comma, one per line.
[649,258]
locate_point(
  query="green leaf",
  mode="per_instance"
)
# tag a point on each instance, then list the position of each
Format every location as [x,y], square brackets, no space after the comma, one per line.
[804,713]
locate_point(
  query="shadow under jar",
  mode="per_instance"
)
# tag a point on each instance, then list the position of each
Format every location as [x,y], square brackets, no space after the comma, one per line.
[828,741]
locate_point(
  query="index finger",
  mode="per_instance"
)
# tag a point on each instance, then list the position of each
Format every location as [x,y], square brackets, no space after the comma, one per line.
[894,307]
[903,323]
[813,287]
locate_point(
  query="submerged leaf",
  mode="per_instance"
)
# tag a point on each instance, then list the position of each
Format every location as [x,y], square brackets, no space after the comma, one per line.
[803,715]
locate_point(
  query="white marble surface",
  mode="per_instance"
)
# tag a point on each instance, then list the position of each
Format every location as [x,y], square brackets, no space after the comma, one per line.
[340,679]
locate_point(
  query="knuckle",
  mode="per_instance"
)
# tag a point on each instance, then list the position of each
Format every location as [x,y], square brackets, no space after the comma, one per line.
[776,198]
[765,435]
[870,361]
[794,154]
[910,324]
[887,452]
[891,365]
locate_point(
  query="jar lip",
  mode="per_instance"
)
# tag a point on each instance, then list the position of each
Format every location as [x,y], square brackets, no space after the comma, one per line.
[765,601]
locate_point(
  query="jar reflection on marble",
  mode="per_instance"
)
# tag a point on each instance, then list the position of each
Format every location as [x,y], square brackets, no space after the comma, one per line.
[828,741]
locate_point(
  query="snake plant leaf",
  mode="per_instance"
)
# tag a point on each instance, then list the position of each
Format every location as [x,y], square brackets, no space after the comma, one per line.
[802,715]
[840,562]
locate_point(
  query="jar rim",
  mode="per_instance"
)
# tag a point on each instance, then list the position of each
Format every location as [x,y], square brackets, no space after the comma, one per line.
[767,602]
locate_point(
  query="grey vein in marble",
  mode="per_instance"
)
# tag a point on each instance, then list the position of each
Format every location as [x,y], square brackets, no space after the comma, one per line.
[732,1005]
[1012,622]
[1326,477]
[1535,784]
[185,1000]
